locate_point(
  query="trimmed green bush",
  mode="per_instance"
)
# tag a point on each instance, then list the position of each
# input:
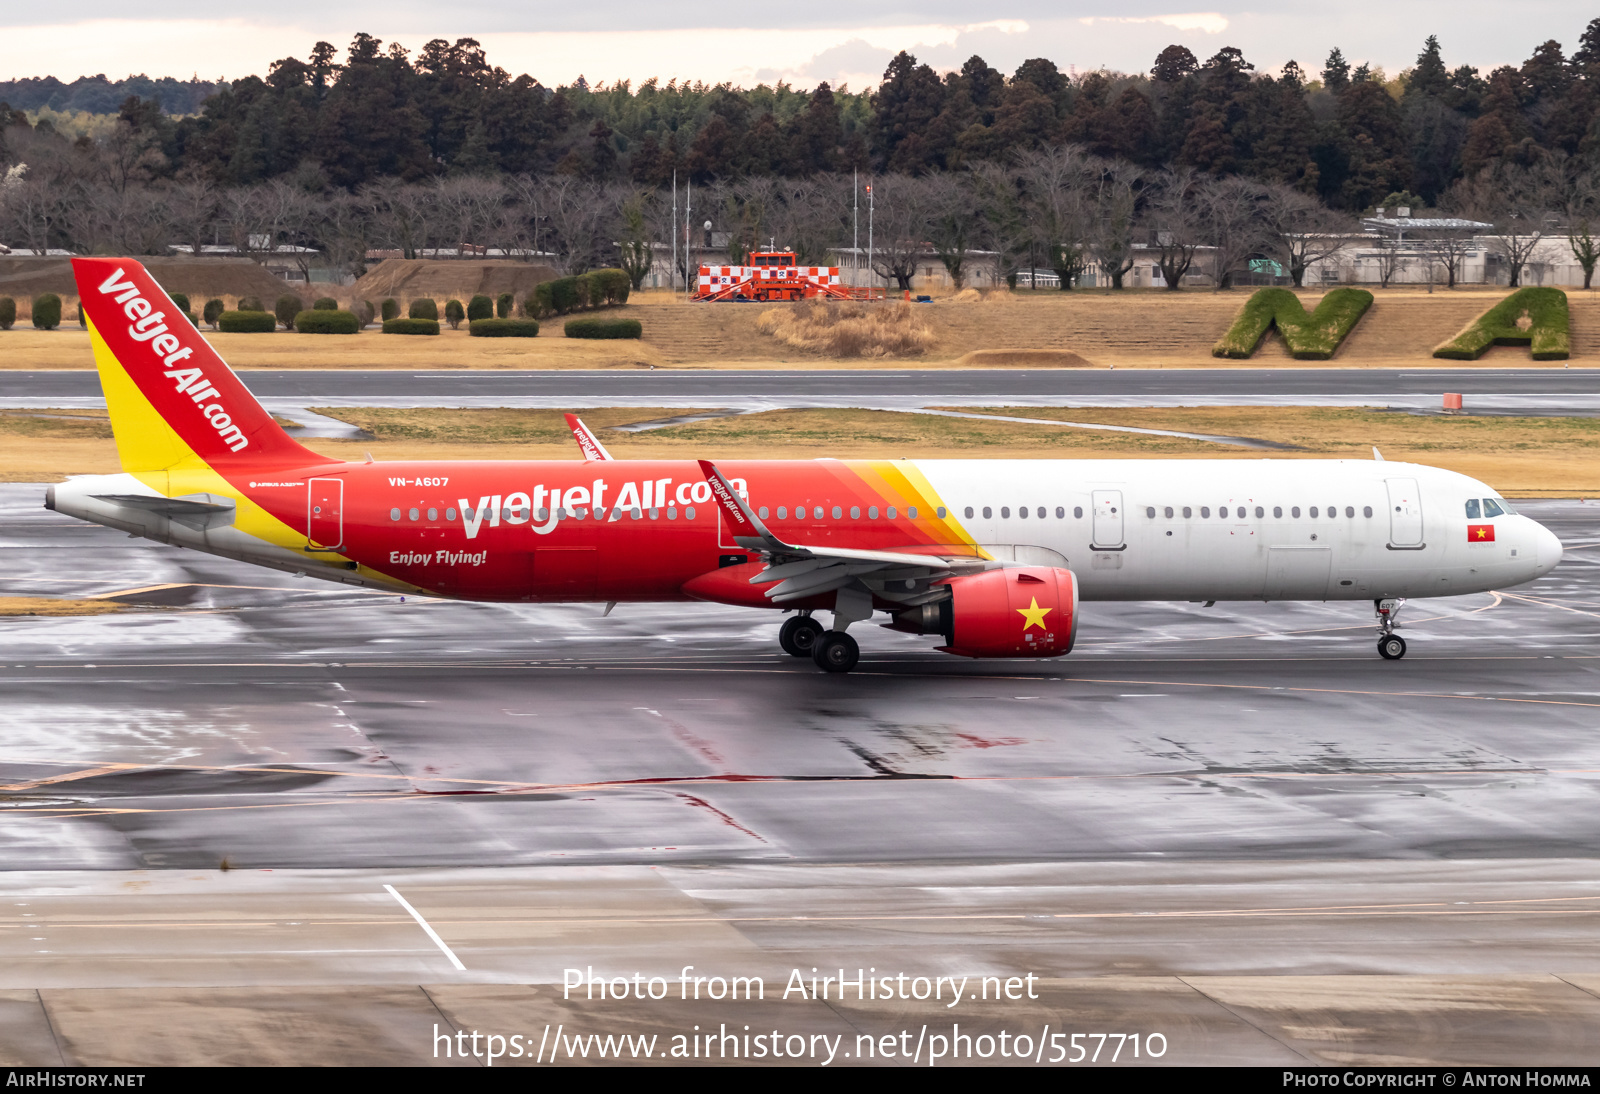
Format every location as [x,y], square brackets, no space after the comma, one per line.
[1312,337]
[247,322]
[454,313]
[480,307]
[595,289]
[614,286]
[288,306]
[556,297]
[604,328]
[325,303]
[410,326]
[46,311]
[389,309]
[250,303]
[424,309]
[503,305]
[323,321]
[1546,332]
[8,312]
[214,308]
[503,328]
[178,298]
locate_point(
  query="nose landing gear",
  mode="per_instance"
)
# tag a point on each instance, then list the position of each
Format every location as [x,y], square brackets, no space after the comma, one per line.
[1391,647]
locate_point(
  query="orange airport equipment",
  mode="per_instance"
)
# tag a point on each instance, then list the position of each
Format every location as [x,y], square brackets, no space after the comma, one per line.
[774,275]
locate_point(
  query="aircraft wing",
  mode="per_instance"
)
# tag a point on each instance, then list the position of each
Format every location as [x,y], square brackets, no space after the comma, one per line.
[587,441]
[803,571]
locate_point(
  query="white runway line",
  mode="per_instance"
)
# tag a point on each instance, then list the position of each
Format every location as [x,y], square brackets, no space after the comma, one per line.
[423,923]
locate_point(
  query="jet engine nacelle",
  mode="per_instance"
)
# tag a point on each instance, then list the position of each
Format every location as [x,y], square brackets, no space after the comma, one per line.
[1027,611]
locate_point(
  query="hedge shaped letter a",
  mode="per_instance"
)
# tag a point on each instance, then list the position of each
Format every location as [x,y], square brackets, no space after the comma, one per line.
[1312,337]
[1532,317]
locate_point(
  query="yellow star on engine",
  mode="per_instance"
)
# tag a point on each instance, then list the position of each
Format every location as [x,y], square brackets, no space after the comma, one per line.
[1034,615]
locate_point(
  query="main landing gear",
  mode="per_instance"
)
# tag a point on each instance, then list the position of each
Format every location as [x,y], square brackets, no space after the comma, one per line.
[836,652]
[1391,647]
[832,651]
[798,636]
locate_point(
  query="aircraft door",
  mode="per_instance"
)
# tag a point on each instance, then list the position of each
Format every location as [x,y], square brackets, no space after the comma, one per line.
[1107,525]
[325,514]
[1405,513]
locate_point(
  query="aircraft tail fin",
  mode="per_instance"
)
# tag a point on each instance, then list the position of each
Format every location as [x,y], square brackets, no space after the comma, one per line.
[173,401]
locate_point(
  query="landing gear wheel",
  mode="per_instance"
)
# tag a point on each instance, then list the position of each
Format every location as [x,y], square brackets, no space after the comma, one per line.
[1391,647]
[798,636]
[836,651]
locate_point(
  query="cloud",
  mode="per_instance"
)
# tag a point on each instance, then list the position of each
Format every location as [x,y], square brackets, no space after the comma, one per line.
[1210,22]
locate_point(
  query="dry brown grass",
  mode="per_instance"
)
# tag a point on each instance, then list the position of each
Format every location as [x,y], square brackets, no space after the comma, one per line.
[841,329]
[1518,456]
[69,349]
[49,605]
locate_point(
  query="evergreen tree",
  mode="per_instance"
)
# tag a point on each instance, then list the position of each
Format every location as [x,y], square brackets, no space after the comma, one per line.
[1336,72]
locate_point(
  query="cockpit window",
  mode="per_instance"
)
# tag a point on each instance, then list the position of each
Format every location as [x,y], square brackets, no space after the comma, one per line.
[1473,511]
[1491,508]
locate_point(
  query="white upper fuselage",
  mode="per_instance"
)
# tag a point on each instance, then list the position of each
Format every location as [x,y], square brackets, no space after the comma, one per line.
[1156,529]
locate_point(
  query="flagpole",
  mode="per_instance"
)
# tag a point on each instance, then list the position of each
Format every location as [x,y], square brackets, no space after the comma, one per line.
[673,273]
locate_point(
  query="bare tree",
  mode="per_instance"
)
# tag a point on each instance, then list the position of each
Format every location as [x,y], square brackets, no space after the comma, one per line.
[900,226]
[1581,209]
[1232,209]
[36,212]
[1519,202]
[1005,215]
[195,202]
[1055,182]
[1446,248]
[399,214]
[954,222]
[346,234]
[1390,258]
[1300,231]
[579,216]
[1172,216]
[811,216]
[1116,203]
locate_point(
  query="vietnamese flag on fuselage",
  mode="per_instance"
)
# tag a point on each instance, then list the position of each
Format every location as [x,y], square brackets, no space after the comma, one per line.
[1480,533]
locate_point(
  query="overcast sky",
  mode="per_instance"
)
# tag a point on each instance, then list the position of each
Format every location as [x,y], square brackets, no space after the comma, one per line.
[754,43]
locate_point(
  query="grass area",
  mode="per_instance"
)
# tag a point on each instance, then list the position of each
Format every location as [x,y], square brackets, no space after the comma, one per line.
[49,605]
[849,329]
[1309,337]
[1533,317]
[1519,456]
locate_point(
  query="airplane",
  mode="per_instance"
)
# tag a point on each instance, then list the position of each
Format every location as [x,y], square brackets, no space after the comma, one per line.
[994,557]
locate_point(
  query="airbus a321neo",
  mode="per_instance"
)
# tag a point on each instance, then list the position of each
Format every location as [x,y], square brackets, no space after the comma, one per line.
[992,556]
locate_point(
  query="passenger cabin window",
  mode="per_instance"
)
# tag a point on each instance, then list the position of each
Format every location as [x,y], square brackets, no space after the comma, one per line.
[1312,511]
[987,513]
[1077,512]
[1061,512]
[968,511]
[1205,510]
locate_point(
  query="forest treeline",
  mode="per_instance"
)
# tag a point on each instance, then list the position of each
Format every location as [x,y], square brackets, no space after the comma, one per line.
[1348,135]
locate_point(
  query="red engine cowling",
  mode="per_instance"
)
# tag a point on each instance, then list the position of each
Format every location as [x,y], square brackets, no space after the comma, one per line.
[1027,611]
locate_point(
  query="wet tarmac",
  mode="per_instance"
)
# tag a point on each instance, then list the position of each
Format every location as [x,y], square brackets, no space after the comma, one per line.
[1222,819]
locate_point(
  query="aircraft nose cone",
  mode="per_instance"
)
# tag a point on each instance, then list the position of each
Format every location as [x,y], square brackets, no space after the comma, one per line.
[1547,549]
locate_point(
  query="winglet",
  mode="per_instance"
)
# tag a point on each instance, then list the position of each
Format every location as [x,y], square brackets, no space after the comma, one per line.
[1376,454]
[748,531]
[587,441]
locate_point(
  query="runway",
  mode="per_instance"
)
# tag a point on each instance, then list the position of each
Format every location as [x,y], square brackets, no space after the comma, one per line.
[1532,390]
[1212,821]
